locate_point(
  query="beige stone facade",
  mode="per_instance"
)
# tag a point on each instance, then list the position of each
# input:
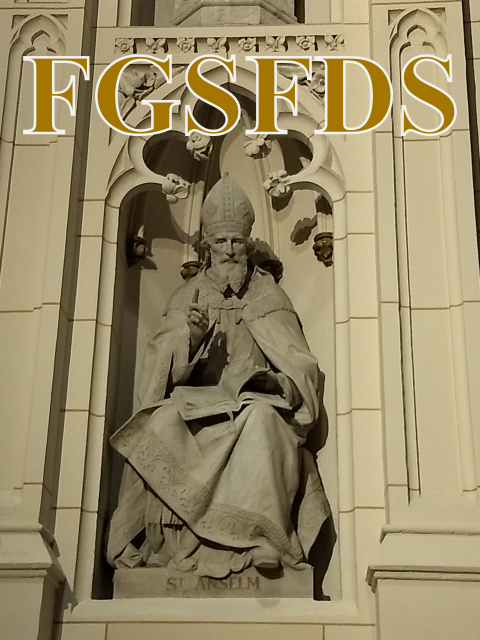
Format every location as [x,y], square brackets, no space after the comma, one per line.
[394,323]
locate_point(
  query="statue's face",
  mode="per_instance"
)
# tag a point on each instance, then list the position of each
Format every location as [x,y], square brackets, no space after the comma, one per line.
[228,247]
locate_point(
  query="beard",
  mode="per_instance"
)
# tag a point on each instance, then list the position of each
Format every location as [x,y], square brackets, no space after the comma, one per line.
[229,273]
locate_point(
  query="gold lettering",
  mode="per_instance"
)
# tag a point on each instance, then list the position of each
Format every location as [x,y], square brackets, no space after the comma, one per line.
[380,94]
[45,94]
[267,94]
[428,94]
[212,94]
[106,96]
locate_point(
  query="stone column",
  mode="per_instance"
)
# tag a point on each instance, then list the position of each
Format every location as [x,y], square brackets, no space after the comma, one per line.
[426,574]
[40,183]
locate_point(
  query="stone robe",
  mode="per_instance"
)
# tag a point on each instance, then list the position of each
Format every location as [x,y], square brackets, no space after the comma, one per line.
[208,491]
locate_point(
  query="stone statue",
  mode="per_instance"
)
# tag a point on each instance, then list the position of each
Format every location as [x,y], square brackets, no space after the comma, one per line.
[217,479]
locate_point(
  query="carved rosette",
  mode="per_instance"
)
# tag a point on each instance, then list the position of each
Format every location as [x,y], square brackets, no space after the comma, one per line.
[199,145]
[306,43]
[186,45]
[317,84]
[248,45]
[124,46]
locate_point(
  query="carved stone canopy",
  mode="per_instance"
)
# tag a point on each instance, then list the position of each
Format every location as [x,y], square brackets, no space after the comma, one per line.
[194,13]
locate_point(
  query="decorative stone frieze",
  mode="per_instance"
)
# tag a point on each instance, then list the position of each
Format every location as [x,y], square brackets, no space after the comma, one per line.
[190,47]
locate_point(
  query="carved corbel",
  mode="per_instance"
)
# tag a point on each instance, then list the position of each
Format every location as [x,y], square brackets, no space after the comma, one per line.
[190,269]
[323,247]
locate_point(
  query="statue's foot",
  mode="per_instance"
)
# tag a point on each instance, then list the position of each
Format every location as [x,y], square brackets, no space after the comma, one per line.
[265,557]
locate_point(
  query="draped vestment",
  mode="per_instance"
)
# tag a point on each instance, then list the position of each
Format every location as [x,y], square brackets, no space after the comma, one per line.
[213,489]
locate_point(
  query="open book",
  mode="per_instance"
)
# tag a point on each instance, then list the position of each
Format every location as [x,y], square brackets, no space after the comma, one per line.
[227,397]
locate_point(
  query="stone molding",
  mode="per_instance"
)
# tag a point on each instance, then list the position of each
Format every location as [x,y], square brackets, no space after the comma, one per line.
[426,556]
[25,553]
[297,42]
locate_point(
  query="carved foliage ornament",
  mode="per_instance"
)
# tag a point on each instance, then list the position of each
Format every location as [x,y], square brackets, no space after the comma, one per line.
[199,145]
[156,45]
[256,145]
[333,43]
[276,184]
[175,188]
[276,44]
[217,45]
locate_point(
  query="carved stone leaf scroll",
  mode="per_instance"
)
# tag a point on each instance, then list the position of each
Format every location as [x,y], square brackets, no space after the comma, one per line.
[276,184]
[256,145]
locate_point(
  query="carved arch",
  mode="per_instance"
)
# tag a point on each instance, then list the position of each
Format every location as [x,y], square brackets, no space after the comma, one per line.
[34,26]
[323,173]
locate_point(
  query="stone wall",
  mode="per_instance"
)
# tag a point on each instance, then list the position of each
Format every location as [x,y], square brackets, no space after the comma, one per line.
[402,302]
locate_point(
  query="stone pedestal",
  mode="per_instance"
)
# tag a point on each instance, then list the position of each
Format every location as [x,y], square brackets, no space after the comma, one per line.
[167,583]
[29,578]
[427,585]
[194,13]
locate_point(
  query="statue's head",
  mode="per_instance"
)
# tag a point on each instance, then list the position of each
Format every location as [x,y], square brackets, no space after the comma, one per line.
[227,217]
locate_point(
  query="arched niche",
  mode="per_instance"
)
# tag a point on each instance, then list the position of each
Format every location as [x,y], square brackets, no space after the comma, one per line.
[284,230]
[136,296]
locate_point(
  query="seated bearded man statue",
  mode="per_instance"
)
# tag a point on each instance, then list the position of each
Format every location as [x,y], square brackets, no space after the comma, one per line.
[216,478]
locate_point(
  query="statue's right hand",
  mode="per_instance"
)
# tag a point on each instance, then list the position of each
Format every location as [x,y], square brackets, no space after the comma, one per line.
[197,320]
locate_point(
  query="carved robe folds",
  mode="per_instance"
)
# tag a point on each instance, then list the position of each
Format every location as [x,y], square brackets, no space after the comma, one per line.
[208,492]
